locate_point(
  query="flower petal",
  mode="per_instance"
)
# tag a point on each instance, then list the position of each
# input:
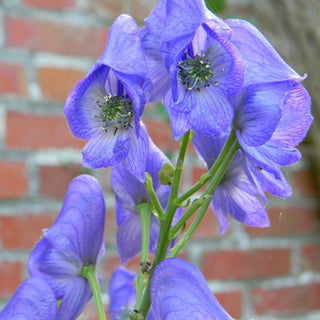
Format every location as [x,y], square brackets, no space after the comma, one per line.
[295,121]
[81,108]
[122,293]
[77,294]
[263,62]
[76,237]
[260,111]
[179,291]
[33,300]
[212,115]
[135,162]
[129,236]
[103,150]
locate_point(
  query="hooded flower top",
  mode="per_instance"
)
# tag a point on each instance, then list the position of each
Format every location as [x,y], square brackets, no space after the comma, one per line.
[105,107]
[74,241]
[33,300]
[180,292]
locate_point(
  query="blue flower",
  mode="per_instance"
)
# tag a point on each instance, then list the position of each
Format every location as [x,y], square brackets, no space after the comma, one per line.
[271,119]
[270,144]
[179,291]
[123,295]
[33,300]
[74,241]
[263,62]
[105,107]
[205,67]
[129,193]
[236,194]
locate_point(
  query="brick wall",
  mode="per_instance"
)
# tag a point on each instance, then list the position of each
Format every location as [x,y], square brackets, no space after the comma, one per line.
[45,48]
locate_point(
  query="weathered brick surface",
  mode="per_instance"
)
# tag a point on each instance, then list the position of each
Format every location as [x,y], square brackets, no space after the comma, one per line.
[233,264]
[54,180]
[10,278]
[35,131]
[55,37]
[290,221]
[23,232]
[14,180]
[13,79]
[56,83]
[232,302]
[286,301]
[52,4]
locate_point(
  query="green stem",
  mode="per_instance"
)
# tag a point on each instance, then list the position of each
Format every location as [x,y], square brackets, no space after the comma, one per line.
[165,224]
[231,147]
[144,211]
[224,158]
[155,201]
[89,273]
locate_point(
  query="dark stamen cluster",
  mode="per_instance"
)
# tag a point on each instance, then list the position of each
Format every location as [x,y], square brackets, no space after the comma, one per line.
[195,72]
[116,112]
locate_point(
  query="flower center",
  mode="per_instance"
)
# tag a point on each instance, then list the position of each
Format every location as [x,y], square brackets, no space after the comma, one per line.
[116,112]
[195,72]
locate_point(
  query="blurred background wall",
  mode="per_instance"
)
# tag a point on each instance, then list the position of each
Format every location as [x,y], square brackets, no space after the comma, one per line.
[46,47]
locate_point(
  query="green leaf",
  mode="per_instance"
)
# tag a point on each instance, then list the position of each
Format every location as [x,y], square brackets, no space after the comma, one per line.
[216,6]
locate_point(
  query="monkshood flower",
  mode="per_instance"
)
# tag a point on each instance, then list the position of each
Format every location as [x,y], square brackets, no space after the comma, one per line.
[263,62]
[131,192]
[33,300]
[205,67]
[180,292]
[105,107]
[271,119]
[73,242]
[236,194]
[123,295]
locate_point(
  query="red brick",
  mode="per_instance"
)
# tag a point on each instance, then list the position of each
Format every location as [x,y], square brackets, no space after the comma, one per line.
[57,83]
[10,278]
[52,4]
[55,180]
[14,182]
[39,131]
[246,264]
[310,257]
[161,134]
[286,301]
[55,36]
[231,302]
[13,79]
[208,227]
[304,183]
[290,221]
[18,233]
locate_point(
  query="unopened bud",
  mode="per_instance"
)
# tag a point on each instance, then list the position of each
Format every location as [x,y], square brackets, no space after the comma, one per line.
[166,174]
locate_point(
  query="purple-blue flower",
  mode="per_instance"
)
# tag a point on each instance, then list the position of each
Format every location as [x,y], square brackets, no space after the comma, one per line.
[205,67]
[263,62]
[180,292]
[130,192]
[105,107]
[271,119]
[123,295]
[236,194]
[33,300]
[74,241]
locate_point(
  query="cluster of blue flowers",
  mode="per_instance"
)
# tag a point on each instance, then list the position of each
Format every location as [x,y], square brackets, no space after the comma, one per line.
[220,80]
